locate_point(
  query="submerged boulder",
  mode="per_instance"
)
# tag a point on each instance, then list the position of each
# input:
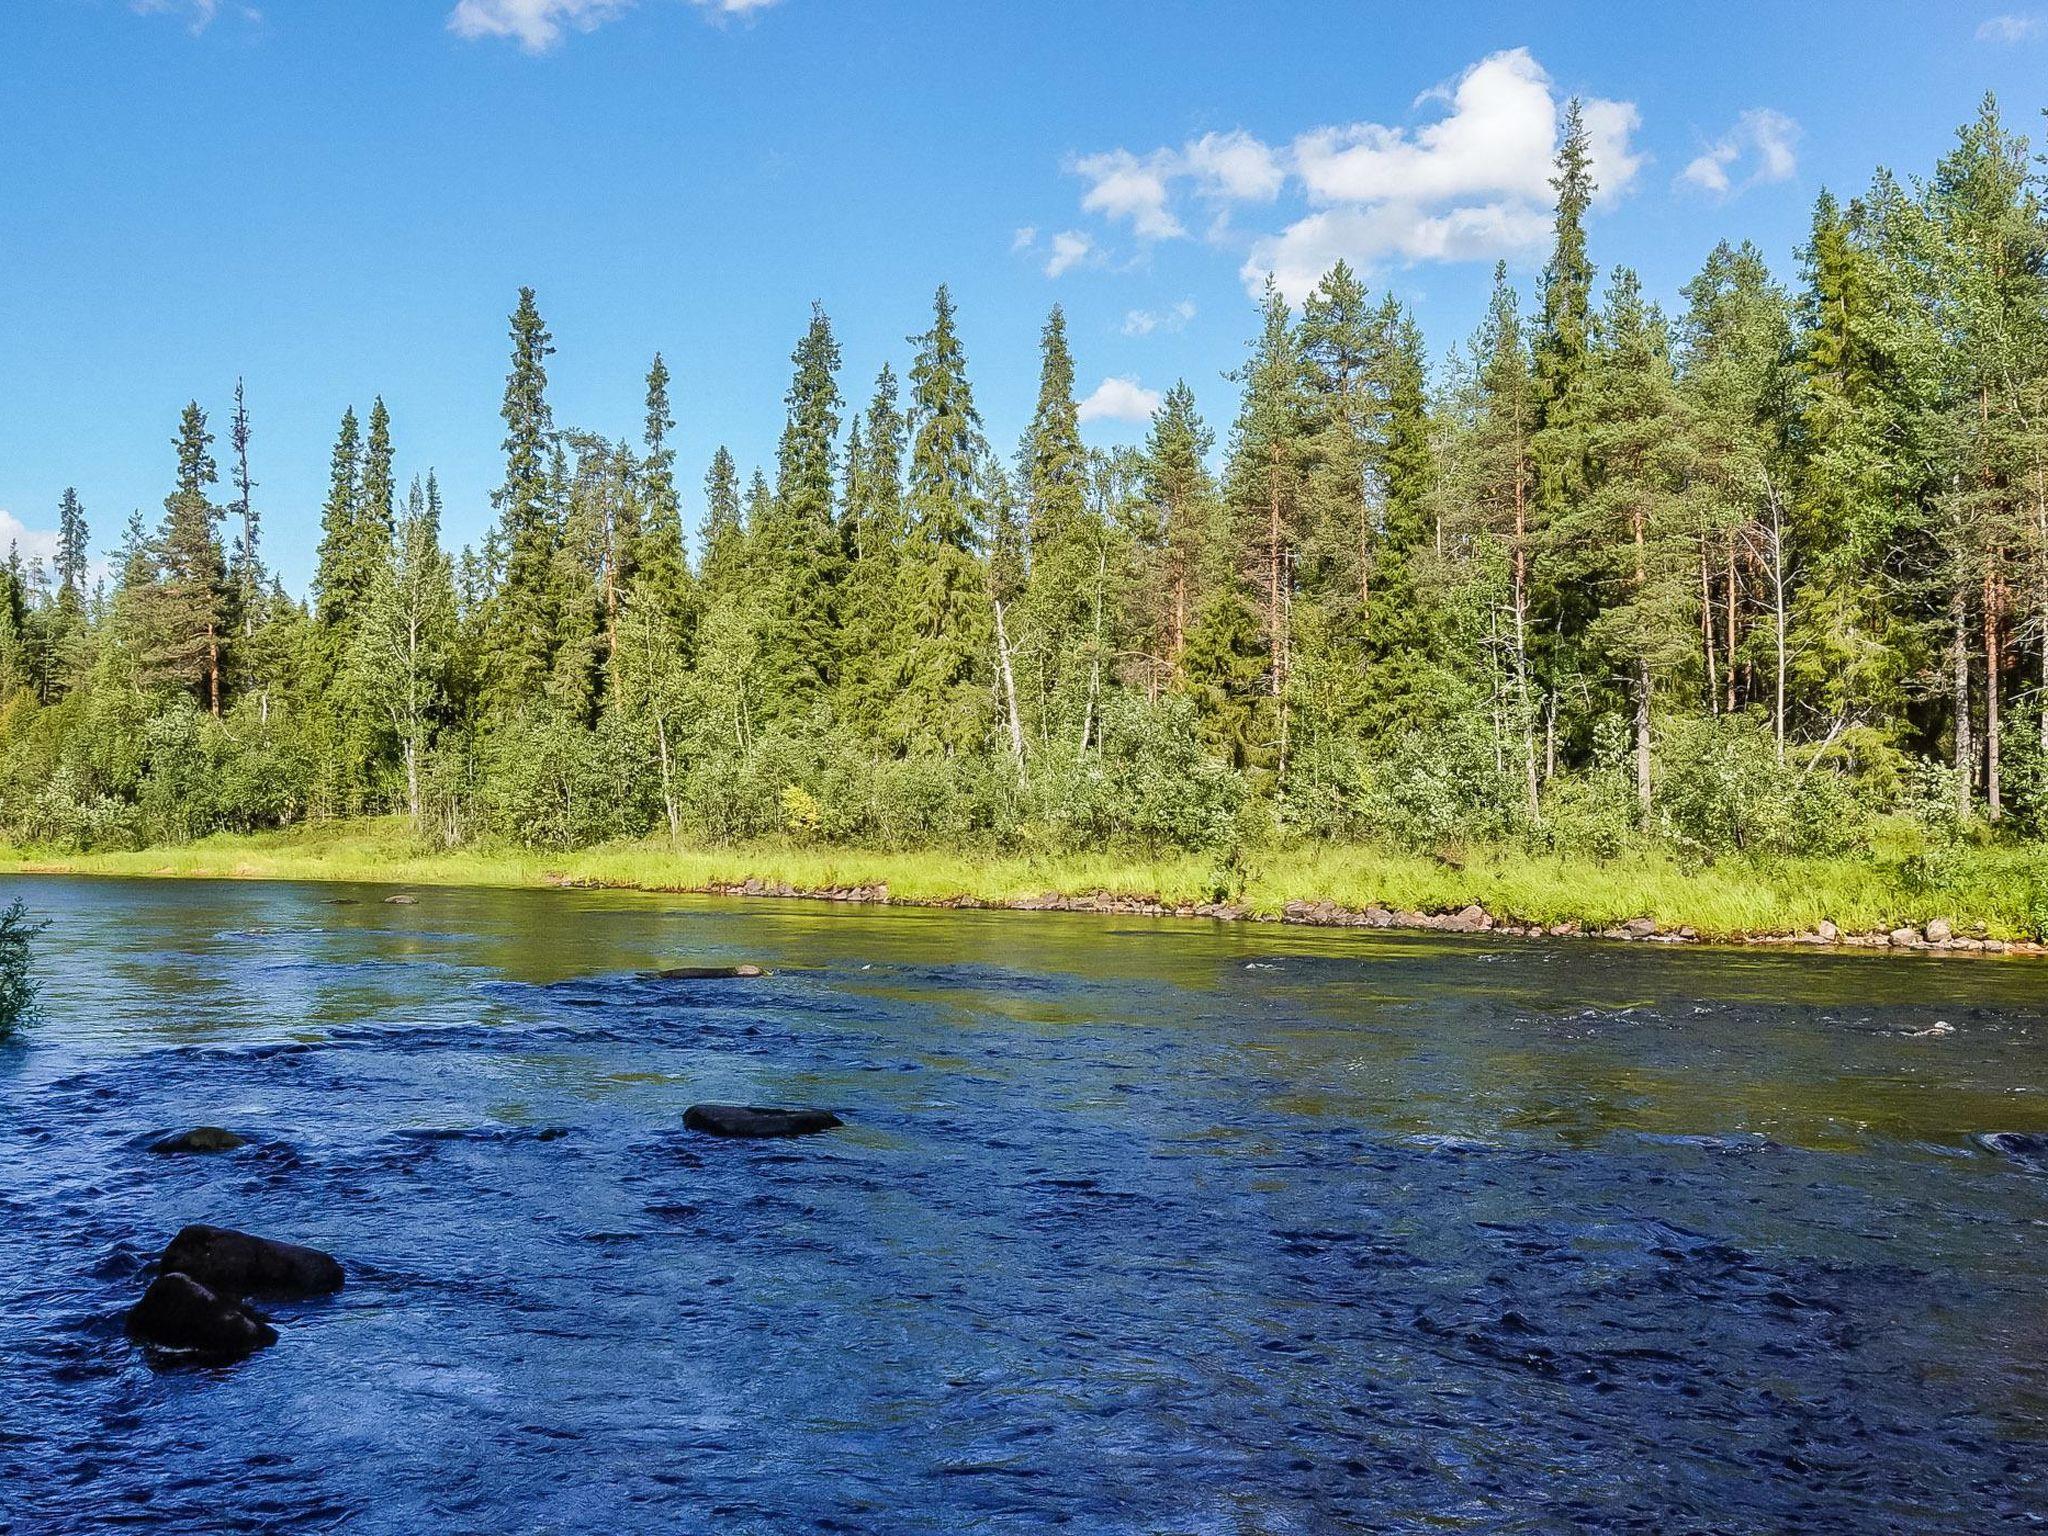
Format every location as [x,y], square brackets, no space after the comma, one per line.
[201,1138]
[757,1123]
[401,900]
[243,1265]
[705,973]
[2029,1149]
[177,1312]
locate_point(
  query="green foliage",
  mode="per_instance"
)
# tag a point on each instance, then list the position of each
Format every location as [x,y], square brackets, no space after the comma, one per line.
[18,988]
[1767,584]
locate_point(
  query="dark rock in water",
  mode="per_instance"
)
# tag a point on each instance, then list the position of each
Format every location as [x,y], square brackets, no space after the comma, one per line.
[202,1138]
[177,1312]
[401,900]
[242,1265]
[341,901]
[705,973]
[753,1122]
[2027,1148]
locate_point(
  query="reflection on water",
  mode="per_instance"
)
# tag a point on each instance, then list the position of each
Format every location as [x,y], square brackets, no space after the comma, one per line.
[1137,1228]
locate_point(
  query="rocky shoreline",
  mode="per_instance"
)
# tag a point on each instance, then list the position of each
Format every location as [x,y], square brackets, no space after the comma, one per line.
[1936,937]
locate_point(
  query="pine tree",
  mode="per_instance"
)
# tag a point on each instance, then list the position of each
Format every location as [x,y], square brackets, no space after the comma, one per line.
[192,605]
[523,624]
[723,536]
[873,539]
[1629,523]
[799,549]
[1062,541]
[660,577]
[377,509]
[340,580]
[245,566]
[943,622]
[1192,549]
[1262,481]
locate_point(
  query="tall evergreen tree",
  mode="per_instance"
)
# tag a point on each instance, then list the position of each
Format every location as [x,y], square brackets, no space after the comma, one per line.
[944,622]
[192,605]
[523,624]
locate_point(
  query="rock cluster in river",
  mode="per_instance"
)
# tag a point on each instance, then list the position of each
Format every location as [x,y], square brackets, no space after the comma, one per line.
[1939,934]
[198,1304]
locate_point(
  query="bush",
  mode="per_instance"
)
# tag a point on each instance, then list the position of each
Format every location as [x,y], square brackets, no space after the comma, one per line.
[17,975]
[546,782]
[1720,788]
[1440,787]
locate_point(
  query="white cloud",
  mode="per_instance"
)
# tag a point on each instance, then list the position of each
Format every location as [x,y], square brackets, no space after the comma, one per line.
[198,14]
[1764,139]
[1126,187]
[34,543]
[538,25]
[1025,238]
[1117,399]
[1069,249]
[2011,29]
[1472,184]
[1143,322]
[1234,165]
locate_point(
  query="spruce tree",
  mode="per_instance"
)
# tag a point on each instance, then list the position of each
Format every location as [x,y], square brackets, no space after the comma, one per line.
[943,620]
[798,548]
[523,624]
[660,576]
[193,602]
[340,579]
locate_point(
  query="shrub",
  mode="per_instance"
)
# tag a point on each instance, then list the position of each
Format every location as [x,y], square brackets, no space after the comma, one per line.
[17,975]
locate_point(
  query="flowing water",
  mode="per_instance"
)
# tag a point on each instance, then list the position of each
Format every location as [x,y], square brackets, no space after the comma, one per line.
[1134,1227]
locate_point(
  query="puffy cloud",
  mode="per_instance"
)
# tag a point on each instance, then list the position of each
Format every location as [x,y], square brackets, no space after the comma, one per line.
[1765,140]
[1025,238]
[34,543]
[1069,249]
[1473,183]
[538,25]
[2011,29]
[1233,165]
[1118,399]
[1143,322]
[1122,186]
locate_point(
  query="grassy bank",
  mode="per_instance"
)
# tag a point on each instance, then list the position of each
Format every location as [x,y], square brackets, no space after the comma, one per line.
[1997,892]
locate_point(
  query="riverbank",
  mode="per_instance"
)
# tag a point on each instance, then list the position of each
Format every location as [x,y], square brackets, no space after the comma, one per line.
[1965,898]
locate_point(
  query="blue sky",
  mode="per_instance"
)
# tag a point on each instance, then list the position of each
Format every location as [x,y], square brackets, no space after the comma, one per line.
[336,198]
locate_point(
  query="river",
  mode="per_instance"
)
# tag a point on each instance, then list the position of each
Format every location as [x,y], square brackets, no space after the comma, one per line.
[1134,1226]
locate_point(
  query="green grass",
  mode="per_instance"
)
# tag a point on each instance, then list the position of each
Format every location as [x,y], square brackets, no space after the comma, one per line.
[1998,890]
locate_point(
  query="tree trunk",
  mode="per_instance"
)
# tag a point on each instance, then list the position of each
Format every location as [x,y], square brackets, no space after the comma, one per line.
[1274,636]
[1009,686]
[2041,572]
[1707,629]
[1992,657]
[668,794]
[412,779]
[1959,698]
[1778,620]
[1523,703]
[1643,742]
[1729,652]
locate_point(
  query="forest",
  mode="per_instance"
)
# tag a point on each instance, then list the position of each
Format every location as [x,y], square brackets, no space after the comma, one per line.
[1767,572]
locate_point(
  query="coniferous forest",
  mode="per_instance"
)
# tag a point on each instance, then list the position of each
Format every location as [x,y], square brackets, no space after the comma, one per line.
[1764,571]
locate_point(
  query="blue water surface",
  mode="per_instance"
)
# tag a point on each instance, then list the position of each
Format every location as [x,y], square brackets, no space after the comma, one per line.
[1158,1227]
